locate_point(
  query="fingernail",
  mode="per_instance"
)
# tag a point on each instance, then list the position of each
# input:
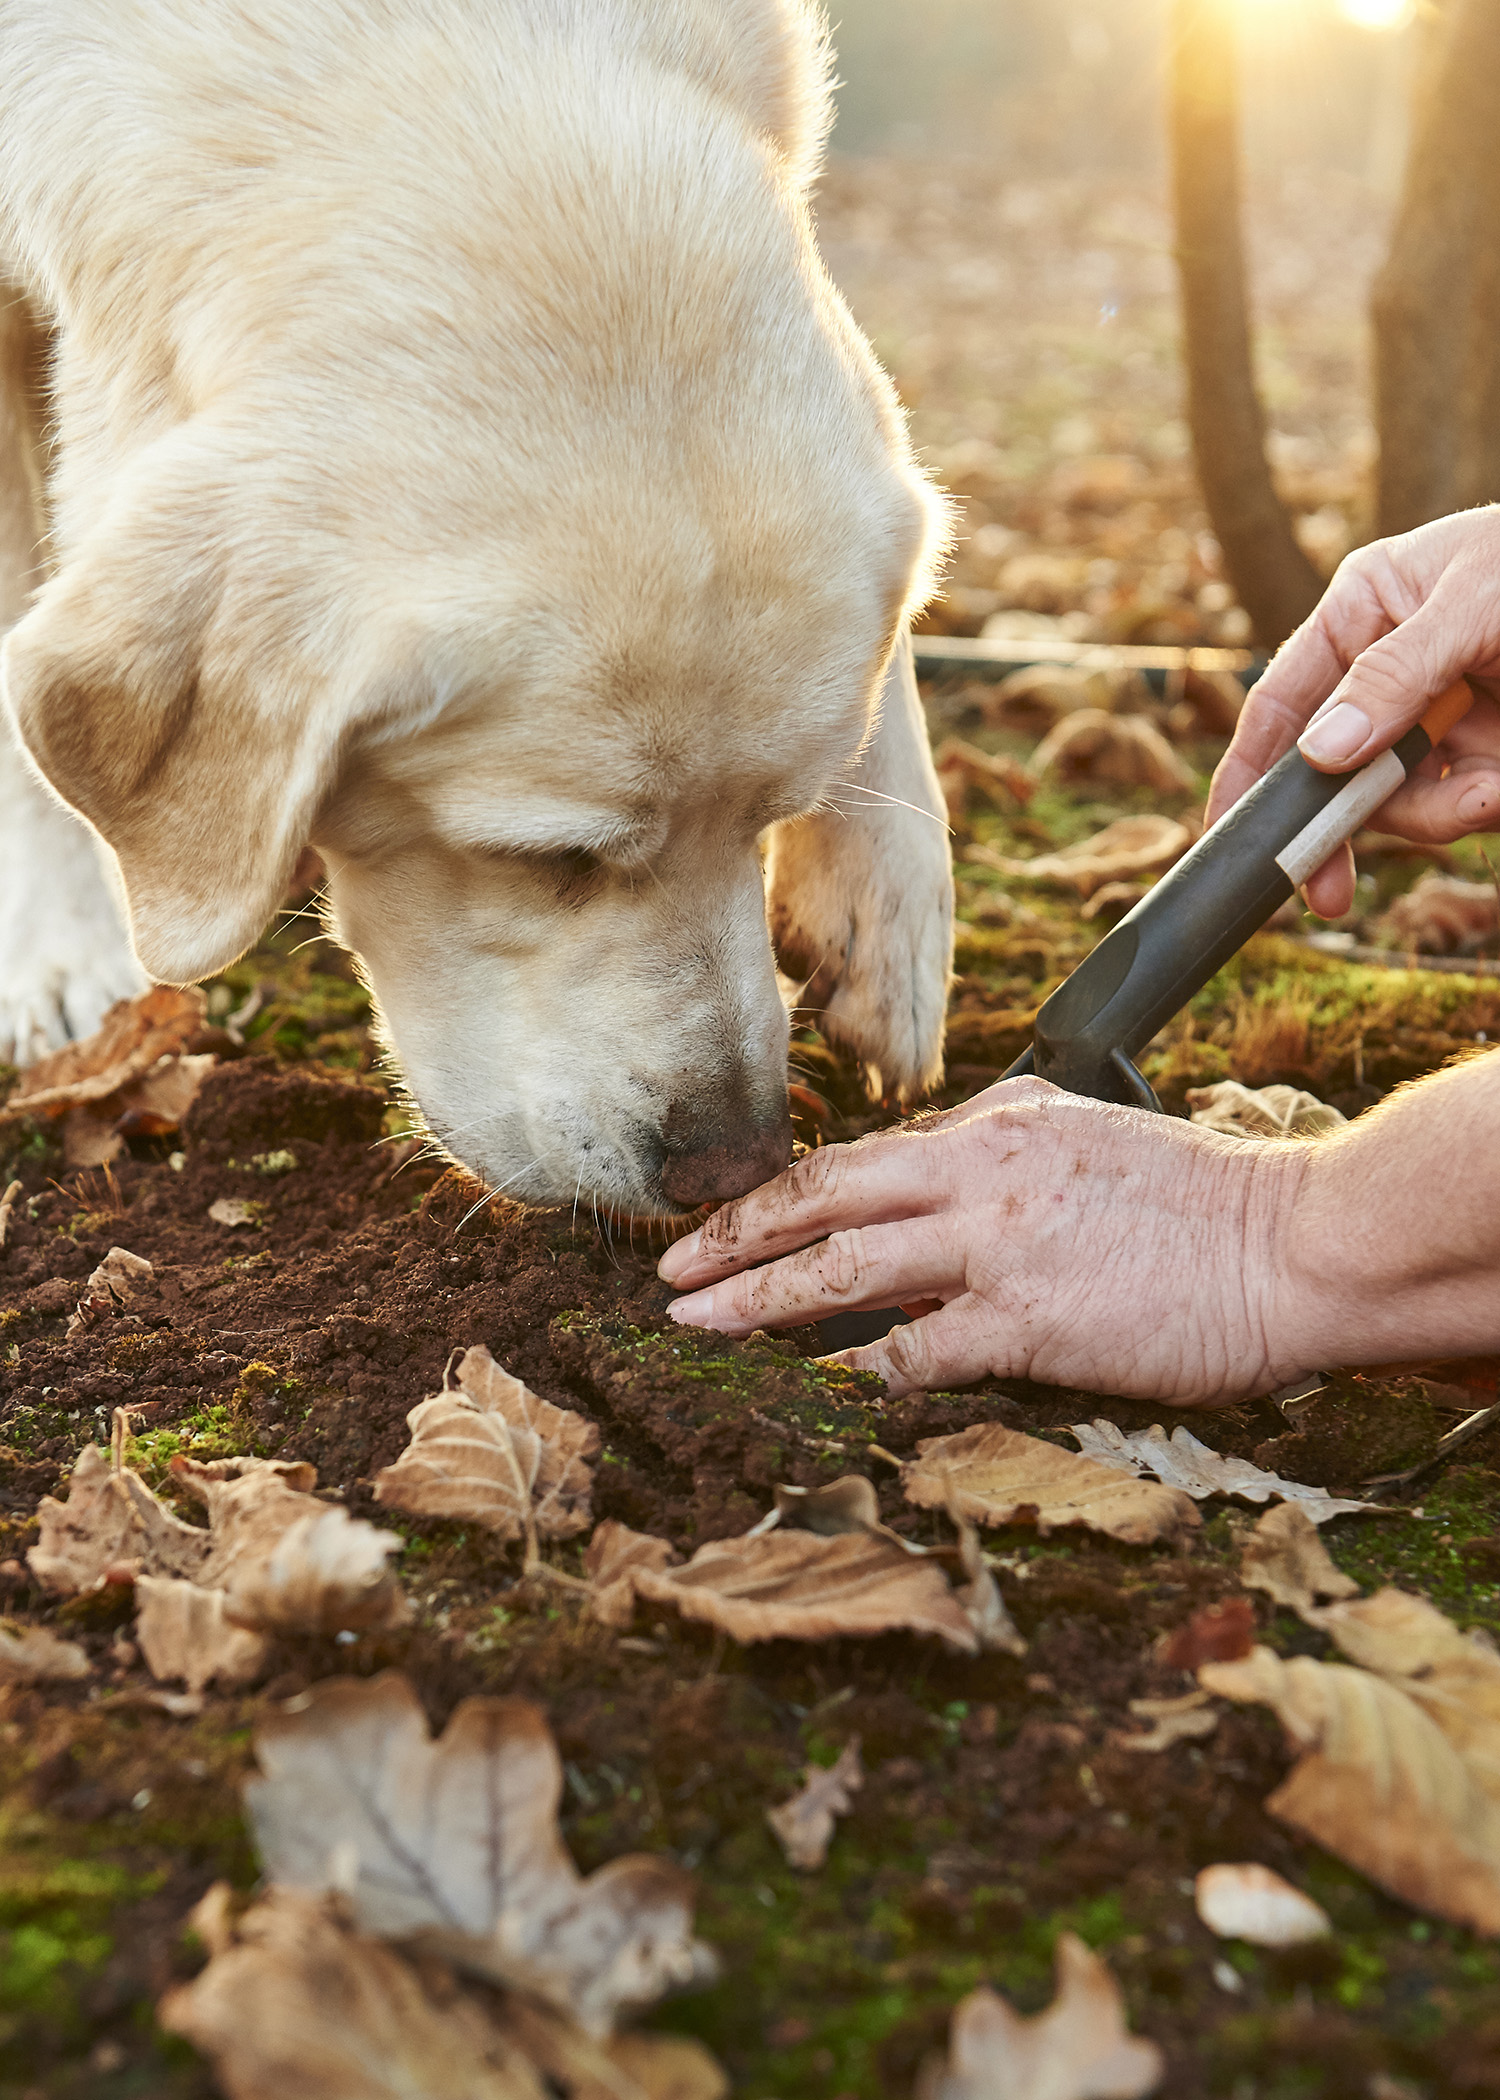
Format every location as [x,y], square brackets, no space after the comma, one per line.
[1478,802]
[1336,735]
[679,1256]
[697,1310]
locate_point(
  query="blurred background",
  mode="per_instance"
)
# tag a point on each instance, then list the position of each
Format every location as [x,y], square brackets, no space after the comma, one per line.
[999,208]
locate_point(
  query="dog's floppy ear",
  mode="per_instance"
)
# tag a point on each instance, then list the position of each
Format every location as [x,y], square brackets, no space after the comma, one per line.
[165,714]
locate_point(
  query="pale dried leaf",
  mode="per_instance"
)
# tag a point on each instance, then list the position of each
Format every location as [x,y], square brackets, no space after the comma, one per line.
[962,766]
[455,1842]
[1185,1720]
[1126,749]
[299,2007]
[286,1562]
[980,1597]
[617,2067]
[134,1034]
[112,1284]
[1285,1557]
[1264,1111]
[614,1553]
[1127,849]
[1453,1676]
[1181,1461]
[1250,1902]
[232,1211]
[804,1825]
[1378,1783]
[492,1452]
[12,1196]
[156,1104]
[184,1631]
[1442,915]
[993,1475]
[111,1521]
[800,1587]
[33,1655]
[843,1506]
[1078,2049]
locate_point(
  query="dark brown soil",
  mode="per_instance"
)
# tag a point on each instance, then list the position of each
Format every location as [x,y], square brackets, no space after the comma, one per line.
[1000,1804]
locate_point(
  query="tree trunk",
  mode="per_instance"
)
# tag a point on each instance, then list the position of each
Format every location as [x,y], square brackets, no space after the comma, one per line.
[1436,301]
[1275,582]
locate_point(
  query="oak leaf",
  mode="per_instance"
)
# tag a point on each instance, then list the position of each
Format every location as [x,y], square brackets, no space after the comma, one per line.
[454,1843]
[33,1655]
[804,1825]
[993,1475]
[794,1585]
[1378,1782]
[1285,1557]
[490,1451]
[185,1631]
[1250,1902]
[1126,749]
[1132,847]
[1262,1111]
[1078,2049]
[1181,1461]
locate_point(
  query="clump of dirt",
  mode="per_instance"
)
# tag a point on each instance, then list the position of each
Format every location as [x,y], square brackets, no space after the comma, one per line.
[1357,1429]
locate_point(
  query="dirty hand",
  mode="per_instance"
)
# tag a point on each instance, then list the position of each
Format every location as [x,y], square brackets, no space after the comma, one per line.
[1055,1238]
[1401,620]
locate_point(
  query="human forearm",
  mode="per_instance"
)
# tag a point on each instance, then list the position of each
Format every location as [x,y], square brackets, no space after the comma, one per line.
[1393,1235]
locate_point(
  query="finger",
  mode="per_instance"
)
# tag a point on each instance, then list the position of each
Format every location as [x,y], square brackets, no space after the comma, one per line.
[851,1272]
[893,1175]
[1329,890]
[1388,686]
[951,1347]
[1434,812]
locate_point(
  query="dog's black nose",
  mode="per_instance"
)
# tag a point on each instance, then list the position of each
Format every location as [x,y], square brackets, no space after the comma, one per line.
[721,1166]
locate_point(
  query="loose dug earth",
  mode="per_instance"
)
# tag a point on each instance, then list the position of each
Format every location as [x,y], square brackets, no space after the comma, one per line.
[999,1808]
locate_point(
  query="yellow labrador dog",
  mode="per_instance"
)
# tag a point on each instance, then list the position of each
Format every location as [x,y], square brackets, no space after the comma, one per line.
[453,454]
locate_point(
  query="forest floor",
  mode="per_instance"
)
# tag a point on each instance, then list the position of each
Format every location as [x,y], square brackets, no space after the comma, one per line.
[1000,1806]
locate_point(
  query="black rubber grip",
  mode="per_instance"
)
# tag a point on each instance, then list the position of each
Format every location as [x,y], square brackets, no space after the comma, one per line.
[1181,932]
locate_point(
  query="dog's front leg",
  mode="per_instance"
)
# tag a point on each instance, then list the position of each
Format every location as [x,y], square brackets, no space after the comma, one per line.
[860,900]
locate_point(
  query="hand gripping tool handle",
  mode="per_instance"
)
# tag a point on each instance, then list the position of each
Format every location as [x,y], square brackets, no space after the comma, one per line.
[1191,922]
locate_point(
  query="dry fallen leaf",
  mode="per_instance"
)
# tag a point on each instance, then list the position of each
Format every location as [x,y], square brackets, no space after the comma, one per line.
[993,1475]
[1262,1111]
[295,2005]
[1441,916]
[110,1524]
[787,1585]
[286,1562]
[1285,1557]
[112,1284]
[1127,750]
[185,1631]
[1453,1676]
[1249,1902]
[231,1211]
[1378,1782]
[492,1452]
[610,1561]
[962,767]
[1185,1720]
[130,1072]
[12,1196]
[615,2067]
[1037,696]
[1215,1633]
[1183,1462]
[1134,846]
[455,1843]
[1078,2049]
[804,1825]
[32,1655]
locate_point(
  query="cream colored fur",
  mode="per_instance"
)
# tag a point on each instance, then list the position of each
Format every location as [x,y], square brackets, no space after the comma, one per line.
[463,462]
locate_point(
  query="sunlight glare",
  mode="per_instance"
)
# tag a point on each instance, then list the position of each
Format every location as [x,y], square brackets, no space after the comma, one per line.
[1377,14]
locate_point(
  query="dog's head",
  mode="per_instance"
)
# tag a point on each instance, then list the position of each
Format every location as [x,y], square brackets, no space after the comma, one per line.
[533,634]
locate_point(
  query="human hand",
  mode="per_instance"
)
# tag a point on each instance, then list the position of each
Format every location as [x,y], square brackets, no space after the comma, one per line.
[1402,619]
[1062,1239]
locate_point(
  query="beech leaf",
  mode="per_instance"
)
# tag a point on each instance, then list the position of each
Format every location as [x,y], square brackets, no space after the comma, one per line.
[455,1842]
[1285,1557]
[110,1522]
[33,1655]
[1133,846]
[185,1631]
[993,1475]
[1181,1461]
[491,1452]
[787,1585]
[1128,749]
[1078,2049]
[1252,1903]
[1378,1783]
[1261,1112]
[613,1555]
[133,1035]
[804,1825]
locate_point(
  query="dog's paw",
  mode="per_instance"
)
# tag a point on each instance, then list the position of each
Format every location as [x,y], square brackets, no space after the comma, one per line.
[65,956]
[860,902]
